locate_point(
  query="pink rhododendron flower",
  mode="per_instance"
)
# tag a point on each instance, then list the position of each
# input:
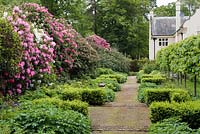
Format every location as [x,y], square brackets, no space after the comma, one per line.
[10,92]
[99,41]
[19,91]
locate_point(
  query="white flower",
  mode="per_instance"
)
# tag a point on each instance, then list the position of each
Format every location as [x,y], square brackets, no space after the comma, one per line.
[31,85]
[41,76]
[39,33]
[5,14]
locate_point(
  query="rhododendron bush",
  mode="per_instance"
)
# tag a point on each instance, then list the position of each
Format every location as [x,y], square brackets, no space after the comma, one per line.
[73,54]
[49,46]
[10,54]
[62,33]
[98,41]
[109,58]
[37,54]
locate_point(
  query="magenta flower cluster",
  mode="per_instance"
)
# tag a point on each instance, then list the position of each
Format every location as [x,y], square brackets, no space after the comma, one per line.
[37,57]
[49,45]
[100,42]
[64,36]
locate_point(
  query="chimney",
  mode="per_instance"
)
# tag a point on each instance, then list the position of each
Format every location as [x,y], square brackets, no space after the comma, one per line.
[178,14]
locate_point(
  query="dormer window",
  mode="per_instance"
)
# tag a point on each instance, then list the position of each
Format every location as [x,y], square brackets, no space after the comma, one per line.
[163,42]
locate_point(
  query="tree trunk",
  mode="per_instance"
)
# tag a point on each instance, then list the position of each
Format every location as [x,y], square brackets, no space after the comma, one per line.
[195,85]
[178,79]
[181,75]
[94,4]
[185,80]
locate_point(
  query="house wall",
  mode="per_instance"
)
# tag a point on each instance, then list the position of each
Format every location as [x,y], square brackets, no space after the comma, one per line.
[171,39]
[192,25]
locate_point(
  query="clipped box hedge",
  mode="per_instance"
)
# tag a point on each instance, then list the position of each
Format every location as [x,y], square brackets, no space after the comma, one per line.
[147,76]
[121,78]
[110,83]
[162,94]
[155,79]
[188,112]
[71,94]
[91,96]
[94,96]
[142,88]
[75,105]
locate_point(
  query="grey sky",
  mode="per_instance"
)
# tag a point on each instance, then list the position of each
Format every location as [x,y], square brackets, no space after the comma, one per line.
[164,2]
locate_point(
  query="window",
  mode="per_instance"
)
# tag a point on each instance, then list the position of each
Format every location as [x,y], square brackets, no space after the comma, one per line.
[163,42]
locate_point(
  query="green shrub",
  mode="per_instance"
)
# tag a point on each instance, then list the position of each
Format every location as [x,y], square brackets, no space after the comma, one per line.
[121,78]
[71,94]
[155,72]
[48,79]
[188,112]
[31,95]
[79,106]
[86,60]
[10,54]
[152,95]
[113,60]
[142,88]
[162,94]
[156,79]
[51,120]
[110,95]
[10,48]
[171,126]
[110,83]
[136,65]
[75,105]
[180,97]
[5,128]
[147,85]
[150,66]
[132,73]
[147,76]
[94,96]
[100,71]
[162,110]
[139,75]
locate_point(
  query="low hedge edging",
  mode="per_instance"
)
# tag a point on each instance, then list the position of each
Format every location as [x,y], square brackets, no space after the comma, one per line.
[188,112]
[164,94]
[75,105]
[142,88]
[155,79]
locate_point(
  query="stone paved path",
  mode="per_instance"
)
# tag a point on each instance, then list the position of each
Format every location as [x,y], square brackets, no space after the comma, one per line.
[123,116]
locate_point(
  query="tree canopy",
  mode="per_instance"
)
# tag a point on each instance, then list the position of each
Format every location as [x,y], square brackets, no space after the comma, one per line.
[188,8]
[122,22]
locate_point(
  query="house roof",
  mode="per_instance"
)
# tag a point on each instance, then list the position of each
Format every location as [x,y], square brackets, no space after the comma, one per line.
[164,26]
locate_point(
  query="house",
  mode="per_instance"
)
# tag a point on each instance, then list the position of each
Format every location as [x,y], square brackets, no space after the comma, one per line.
[167,30]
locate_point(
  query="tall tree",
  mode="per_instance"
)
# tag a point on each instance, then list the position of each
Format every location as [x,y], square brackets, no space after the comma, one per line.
[192,5]
[92,9]
[75,11]
[188,8]
[7,5]
[123,24]
[168,10]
